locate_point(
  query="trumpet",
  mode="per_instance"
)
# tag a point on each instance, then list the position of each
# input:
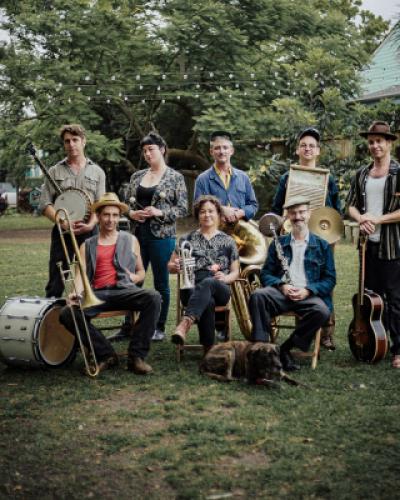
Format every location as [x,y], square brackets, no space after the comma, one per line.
[188,264]
[68,276]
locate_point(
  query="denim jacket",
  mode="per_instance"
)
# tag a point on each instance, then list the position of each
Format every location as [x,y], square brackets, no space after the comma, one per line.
[319,267]
[240,193]
[332,195]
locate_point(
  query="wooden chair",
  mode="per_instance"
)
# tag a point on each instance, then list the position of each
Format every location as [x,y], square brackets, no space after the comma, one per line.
[222,323]
[276,325]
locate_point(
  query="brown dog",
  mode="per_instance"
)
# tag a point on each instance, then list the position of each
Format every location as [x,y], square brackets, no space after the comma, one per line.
[258,362]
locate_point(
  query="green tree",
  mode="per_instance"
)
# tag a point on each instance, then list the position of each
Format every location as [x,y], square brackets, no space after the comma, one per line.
[259,68]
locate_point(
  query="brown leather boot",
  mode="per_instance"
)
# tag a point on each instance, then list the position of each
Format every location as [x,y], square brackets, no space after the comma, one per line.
[181,330]
[139,366]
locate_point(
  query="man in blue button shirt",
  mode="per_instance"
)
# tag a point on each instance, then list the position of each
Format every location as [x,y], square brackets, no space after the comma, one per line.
[230,185]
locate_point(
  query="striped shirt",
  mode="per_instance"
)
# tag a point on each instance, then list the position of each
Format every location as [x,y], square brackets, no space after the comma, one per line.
[389,245]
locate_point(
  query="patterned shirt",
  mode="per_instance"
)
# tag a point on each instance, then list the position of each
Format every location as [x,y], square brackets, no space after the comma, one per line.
[170,196]
[220,249]
[389,245]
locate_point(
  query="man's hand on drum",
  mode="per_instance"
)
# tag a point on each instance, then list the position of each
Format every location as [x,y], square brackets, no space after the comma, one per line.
[81,227]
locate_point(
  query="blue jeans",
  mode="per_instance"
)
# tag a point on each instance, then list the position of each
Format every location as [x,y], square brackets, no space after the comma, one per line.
[157,252]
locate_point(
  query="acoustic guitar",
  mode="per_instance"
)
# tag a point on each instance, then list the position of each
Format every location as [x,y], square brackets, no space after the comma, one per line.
[367,336]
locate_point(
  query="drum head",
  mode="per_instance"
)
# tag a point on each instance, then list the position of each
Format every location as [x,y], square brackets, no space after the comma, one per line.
[75,202]
[55,341]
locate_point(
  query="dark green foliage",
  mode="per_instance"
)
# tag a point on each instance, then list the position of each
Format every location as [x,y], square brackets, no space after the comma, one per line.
[259,68]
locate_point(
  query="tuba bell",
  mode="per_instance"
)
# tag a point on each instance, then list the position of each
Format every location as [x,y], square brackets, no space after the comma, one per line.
[250,242]
[252,248]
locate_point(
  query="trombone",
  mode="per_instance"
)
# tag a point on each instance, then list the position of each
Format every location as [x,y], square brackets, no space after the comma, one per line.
[68,276]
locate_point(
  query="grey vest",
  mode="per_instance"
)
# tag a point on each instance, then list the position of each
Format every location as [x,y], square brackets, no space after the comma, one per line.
[124,258]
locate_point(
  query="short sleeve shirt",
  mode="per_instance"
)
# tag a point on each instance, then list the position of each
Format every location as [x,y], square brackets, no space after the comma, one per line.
[220,249]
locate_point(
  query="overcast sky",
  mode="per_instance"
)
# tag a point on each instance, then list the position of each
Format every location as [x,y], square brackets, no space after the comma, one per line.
[388,9]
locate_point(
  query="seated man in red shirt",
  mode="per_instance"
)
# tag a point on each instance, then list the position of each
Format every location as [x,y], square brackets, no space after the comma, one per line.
[112,262]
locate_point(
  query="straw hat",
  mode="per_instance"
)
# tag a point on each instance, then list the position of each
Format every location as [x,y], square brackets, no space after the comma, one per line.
[109,199]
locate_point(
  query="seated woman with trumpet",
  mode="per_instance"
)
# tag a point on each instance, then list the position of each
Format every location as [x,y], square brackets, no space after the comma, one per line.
[209,262]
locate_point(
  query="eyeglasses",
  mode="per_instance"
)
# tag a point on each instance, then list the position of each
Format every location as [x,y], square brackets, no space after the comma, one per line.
[309,146]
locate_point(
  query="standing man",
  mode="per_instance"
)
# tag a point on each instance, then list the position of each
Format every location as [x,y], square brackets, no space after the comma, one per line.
[113,265]
[373,201]
[74,171]
[308,151]
[230,185]
[307,290]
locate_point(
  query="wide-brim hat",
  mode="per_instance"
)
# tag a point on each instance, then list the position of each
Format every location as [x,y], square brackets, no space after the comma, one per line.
[380,128]
[296,200]
[109,199]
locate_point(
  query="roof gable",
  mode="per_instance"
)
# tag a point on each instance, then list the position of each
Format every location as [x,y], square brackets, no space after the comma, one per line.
[382,77]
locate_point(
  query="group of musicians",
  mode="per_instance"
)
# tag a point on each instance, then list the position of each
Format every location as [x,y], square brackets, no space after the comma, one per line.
[116,261]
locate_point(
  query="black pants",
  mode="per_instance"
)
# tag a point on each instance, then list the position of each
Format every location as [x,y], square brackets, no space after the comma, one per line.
[266,303]
[383,277]
[55,285]
[133,298]
[200,303]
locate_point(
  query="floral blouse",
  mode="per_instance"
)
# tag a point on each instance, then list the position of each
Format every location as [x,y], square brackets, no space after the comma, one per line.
[170,196]
[220,249]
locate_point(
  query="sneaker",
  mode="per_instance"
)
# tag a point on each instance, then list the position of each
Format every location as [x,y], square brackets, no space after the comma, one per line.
[220,336]
[139,366]
[158,335]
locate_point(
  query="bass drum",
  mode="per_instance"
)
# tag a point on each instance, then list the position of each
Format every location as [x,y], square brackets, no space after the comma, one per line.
[32,335]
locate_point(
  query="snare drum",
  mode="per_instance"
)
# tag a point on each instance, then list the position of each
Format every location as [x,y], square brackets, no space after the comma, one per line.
[32,335]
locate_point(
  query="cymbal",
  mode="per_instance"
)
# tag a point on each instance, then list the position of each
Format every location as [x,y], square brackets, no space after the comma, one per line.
[268,219]
[327,223]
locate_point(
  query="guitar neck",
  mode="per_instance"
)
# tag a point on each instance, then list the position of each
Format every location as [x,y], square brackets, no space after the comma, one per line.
[361,275]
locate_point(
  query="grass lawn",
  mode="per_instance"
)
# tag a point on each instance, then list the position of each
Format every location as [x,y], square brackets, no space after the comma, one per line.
[176,434]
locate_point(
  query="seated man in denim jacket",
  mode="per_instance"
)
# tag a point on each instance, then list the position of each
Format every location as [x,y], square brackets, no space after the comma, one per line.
[230,185]
[305,288]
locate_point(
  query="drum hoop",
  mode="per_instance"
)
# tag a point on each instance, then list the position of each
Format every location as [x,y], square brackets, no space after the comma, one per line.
[44,306]
[87,202]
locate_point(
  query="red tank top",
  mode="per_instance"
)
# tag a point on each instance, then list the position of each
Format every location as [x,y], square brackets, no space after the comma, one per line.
[106,274]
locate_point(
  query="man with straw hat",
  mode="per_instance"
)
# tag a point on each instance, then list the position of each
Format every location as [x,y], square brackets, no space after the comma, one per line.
[112,262]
